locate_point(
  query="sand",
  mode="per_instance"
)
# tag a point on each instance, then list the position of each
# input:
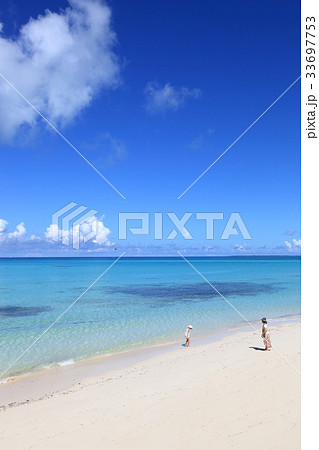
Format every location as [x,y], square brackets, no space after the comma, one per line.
[220,395]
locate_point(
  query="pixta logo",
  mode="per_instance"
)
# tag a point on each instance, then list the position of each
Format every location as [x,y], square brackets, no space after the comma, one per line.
[234,225]
[74,225]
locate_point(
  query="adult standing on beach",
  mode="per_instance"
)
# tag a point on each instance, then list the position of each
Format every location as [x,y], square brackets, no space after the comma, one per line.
[187,335]
[265,334]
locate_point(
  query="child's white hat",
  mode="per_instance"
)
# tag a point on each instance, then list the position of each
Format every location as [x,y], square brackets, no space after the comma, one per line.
[189,326]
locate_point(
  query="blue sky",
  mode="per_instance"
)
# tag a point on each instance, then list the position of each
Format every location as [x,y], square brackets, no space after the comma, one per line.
[151,93]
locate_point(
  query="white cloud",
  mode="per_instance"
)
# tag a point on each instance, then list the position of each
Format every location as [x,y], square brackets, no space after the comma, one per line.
[160,99]
[295,245]
[19,233]
[101,237]
[3,225]
[288,245]
[59,62]
[19,241]
[209,249]
[53,233]
[239,247]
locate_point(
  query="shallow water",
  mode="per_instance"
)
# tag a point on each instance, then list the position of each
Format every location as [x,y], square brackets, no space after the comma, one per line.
[138,302]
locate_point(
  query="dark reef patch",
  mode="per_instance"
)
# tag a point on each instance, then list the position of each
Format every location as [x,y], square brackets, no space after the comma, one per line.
[22,311]
[191,292]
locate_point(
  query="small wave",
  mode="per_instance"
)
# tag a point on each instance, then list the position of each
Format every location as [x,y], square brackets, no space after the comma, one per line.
[66,363]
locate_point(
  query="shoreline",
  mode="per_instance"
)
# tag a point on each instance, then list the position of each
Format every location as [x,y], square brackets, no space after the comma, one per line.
[219,334]
[45,382]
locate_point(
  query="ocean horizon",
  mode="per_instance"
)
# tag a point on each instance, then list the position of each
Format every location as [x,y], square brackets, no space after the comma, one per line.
[139,302]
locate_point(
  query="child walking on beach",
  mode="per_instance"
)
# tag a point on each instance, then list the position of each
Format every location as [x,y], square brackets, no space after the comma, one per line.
[265,334]
[187,335]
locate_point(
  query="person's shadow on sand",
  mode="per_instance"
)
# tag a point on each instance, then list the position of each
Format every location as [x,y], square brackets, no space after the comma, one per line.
[258,348]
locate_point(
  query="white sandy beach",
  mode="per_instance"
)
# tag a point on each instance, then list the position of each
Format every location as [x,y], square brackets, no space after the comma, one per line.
[222,395]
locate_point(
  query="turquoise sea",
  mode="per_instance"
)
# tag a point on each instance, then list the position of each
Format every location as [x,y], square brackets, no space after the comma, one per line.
[138,302]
